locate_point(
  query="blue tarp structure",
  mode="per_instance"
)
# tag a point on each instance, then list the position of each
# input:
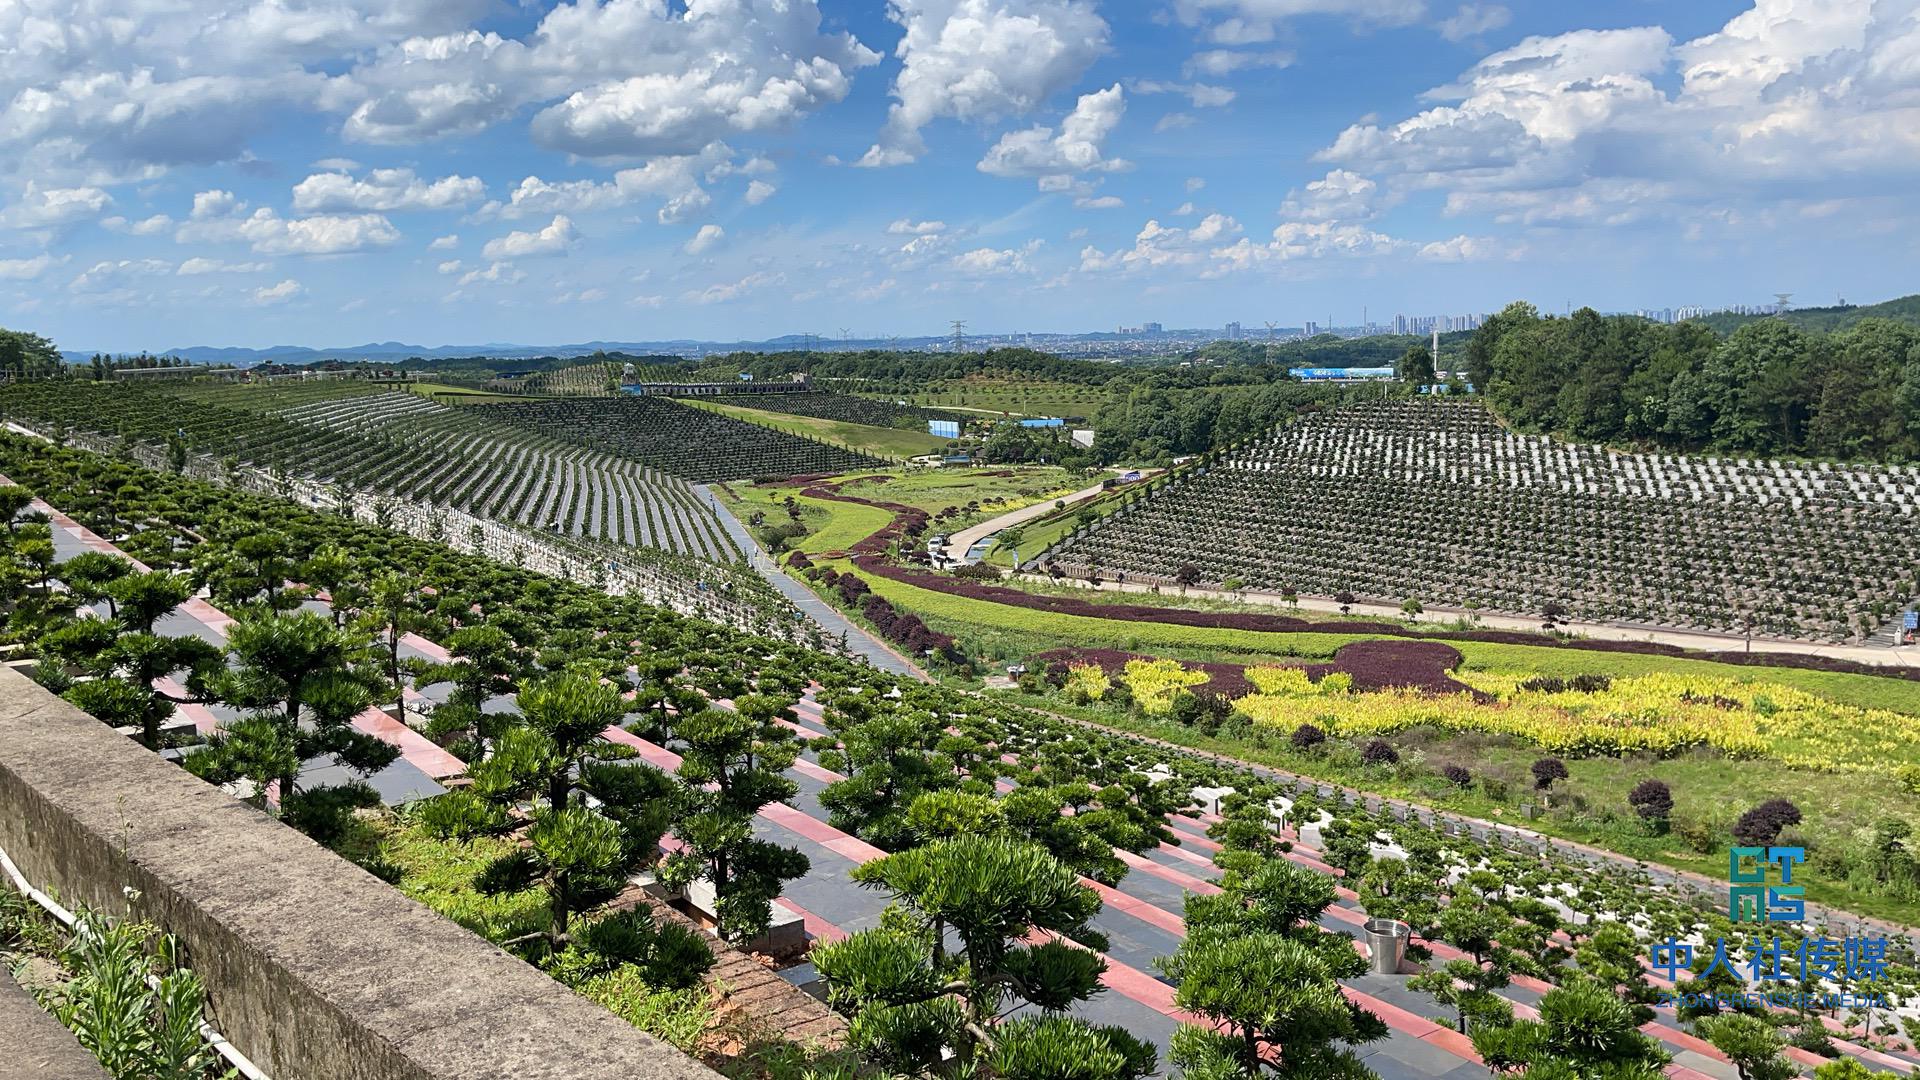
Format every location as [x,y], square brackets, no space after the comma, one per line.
[1048,421]
[944,429]
[1336,374]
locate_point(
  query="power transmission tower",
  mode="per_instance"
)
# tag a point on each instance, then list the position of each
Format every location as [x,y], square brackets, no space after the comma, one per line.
[1270,326]
[1783,301]
[846,335]
[959,335]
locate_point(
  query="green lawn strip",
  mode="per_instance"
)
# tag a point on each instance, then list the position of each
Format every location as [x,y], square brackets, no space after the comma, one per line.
[1086,630]
[889,442]
[1705,787]
[832,526]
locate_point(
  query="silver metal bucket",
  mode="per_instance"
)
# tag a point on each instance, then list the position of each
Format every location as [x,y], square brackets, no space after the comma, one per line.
[1386,944]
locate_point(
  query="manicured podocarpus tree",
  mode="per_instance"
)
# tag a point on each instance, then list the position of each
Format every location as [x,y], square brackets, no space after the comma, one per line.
[1584,1032]
[298,676]
[732,764]
[1264,975]
[917,1007]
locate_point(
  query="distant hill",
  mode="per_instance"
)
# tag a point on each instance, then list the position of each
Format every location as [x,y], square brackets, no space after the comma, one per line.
[396,352]
[1827,319]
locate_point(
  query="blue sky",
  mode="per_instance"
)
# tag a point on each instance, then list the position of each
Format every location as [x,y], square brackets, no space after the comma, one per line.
[258,172]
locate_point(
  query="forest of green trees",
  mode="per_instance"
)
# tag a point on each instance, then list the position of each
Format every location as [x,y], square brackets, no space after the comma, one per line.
[1769,388]
[27,356]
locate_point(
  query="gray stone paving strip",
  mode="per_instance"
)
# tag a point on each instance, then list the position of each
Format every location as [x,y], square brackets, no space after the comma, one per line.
[865,645]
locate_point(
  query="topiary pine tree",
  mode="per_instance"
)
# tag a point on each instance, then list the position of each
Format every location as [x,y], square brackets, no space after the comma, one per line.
[486,663]
[732,764]
[391,611]
[891,758]
[125,667]
[915,1008]
[1584,1032]
[1257,966]
[144,598]
[1752,1043]
[90,575]
[297,674]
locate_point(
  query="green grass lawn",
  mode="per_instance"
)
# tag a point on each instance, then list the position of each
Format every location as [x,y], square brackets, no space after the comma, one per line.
[886,442]
[1024,397]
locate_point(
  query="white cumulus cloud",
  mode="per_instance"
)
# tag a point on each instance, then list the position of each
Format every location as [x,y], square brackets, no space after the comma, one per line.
[1075,147]
[980,60]
[555,239]
[278,294]
[706,239]
[385,190]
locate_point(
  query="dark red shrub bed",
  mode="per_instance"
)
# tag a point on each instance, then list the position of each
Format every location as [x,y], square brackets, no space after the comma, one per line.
[907,630]
[1226,680]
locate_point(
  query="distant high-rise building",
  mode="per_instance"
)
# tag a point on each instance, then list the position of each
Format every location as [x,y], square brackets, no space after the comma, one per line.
[1312,328]
[1233,332]
[1151,328]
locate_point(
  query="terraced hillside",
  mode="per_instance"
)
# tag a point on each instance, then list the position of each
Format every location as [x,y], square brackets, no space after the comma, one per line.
[679,439]
[367,438]
[1437,502]
[845,408]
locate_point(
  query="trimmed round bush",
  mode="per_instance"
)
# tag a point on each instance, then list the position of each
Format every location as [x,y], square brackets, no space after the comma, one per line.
[1306,737]
[1379,752]
[1546,771]
[1651,799]
[1761,825]
[1457,776]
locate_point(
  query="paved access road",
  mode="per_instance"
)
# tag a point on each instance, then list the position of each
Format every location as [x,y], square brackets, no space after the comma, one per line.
[837,626]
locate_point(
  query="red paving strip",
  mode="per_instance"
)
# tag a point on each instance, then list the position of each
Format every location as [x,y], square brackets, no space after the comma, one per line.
[1409,1023]
[432,649]
[818,928]
[815,772]
[1128,981]
[1183,853]
[203,719]
[418,750]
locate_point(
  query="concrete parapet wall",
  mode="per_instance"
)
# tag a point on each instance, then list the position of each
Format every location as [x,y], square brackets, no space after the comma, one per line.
[314,969]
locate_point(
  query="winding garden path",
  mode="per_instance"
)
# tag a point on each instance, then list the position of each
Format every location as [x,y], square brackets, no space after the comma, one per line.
[863,644]
[958,544]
